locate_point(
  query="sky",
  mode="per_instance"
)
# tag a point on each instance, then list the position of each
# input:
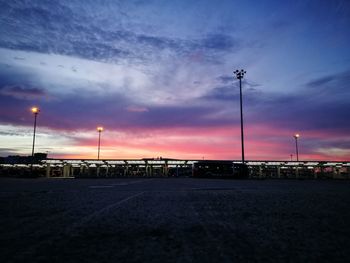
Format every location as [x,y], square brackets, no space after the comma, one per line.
[158,76]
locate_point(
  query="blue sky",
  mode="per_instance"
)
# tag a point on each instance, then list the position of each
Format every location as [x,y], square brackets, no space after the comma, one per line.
[158,76]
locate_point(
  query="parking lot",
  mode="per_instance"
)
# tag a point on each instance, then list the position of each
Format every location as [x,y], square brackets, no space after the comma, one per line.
[174,220]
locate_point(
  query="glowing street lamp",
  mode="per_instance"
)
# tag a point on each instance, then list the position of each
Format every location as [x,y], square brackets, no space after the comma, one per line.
[296,136]
[240,75]
[99,129]
[35,111]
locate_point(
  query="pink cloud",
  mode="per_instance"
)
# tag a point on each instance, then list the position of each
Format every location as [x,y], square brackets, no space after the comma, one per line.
[136,109]
[261,143]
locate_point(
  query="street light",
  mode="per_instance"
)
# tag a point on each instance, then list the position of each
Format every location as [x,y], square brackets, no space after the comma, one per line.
[296,136]
[240,75]
[99,129]
[35,111]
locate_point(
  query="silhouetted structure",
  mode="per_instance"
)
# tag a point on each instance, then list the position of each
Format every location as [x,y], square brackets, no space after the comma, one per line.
[35,111]
[162,167]
[99,129]
[219,169]
[296,137]
[240,75]
[17,159]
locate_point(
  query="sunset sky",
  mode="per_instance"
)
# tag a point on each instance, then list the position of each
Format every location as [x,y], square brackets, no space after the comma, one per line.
[158,76]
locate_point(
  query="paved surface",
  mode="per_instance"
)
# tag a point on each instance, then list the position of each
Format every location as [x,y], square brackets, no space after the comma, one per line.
[174,220]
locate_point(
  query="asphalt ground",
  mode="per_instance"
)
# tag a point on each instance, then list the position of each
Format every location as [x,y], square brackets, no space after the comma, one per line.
[174,220]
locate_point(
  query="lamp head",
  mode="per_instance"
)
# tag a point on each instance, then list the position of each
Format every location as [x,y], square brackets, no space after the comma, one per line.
[99,129]
[296,136]
[35,110]
[239,73]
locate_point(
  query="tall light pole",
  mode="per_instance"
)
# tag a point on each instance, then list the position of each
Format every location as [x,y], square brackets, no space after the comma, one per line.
[35,111]
[99,129]
[240,75]
[296,136]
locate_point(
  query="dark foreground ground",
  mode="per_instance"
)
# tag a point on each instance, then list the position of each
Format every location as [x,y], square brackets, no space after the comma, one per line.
[174,220]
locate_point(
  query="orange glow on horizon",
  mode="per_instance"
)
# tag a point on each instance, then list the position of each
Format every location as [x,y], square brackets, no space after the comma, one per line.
[221,143]
[210,143]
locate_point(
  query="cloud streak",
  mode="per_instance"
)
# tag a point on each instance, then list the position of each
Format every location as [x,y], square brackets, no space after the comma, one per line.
[66,29]
[21,92]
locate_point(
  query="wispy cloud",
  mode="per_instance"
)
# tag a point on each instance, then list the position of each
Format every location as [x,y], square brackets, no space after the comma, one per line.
[66,29]
[21,92]
[136,109]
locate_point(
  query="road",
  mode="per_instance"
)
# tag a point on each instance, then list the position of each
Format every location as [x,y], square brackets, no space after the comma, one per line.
[174,220]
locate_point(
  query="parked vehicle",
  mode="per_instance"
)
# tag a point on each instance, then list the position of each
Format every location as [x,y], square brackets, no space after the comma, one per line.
[219,169]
